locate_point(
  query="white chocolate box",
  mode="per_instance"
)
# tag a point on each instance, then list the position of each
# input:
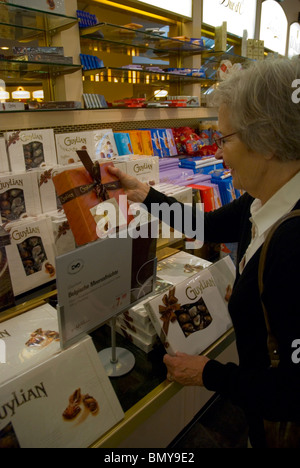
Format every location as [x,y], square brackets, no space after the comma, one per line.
[25,348]
[65,402]
[4,165]
[194,313]
[19,196]
[31,256]
[30,149]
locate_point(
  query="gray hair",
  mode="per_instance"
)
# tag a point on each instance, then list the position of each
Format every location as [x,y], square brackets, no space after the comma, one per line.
[263,108]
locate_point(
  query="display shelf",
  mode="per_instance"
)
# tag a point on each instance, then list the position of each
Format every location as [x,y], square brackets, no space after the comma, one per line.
[11,70]
[118,38]
[23,120]
[24,23]
[125,75]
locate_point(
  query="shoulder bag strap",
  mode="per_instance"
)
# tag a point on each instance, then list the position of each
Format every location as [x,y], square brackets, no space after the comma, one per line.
[272,342]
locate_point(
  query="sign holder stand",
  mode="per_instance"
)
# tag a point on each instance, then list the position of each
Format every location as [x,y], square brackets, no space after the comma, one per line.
[116,361]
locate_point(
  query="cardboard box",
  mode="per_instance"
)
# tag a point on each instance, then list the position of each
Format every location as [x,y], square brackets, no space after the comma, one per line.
[4,164]
[104,144]
[144,344]
[171,142]
[136,141]
[50,6]
[194,314]
[67,145]
[181,194]
[31,255]
[146,142]
[180,267]
[123,143]
[12,106]
[65,402]
[49,200]
[149,335]
[206,195]
[76,190]
[157,151]
[30,339]
[146,169]
[19,196]
[6,291]
[63,236]
[30,149]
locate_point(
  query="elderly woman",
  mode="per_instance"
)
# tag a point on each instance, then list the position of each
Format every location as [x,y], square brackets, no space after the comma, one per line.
[259,118]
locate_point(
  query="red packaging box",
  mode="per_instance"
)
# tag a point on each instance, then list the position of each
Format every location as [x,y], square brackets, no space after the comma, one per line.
[79,191]
[206,195]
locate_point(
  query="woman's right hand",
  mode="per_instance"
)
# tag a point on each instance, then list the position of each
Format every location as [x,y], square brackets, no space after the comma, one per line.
[135,190]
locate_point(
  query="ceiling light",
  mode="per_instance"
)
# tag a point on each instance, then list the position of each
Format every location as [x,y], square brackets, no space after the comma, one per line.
[21,93]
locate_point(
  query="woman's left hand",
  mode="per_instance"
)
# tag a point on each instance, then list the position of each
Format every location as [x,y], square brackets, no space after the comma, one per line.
[185,369]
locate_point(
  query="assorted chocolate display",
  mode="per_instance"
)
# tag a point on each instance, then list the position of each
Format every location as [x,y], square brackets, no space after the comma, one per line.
[193,317]
[33,254]
[12,204]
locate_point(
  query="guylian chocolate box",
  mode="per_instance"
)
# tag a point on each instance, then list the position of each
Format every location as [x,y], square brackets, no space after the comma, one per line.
[193,314]
[30,149]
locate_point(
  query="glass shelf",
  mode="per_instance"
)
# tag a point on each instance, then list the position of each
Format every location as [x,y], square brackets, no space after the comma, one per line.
[124,75]
[117,38]
[24,24]
[12,69]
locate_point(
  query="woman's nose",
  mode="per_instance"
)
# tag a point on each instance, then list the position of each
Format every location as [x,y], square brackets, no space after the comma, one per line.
[219,154]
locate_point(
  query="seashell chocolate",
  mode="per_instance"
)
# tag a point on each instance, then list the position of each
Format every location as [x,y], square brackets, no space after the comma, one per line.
[12,205]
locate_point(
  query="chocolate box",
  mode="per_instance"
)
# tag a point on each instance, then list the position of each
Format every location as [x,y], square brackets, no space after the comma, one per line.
[77,192]
[104,144]
[30,149]
[48,196]
[19,196]
[4,165]
[67,145]
[193,314]
[30,339]
[145,169]
[6,291]
[30,255]
[180,266]
[65,402]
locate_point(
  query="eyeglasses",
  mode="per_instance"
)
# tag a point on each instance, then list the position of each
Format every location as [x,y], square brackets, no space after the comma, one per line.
[220,141]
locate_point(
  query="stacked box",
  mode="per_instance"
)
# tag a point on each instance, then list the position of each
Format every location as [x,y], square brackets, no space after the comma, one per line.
[130,332]
[30,149]
[19,196]
[181,194]
[4,165]
[31,255]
